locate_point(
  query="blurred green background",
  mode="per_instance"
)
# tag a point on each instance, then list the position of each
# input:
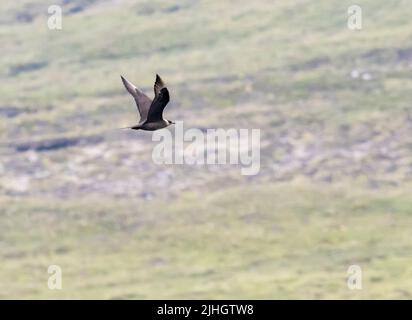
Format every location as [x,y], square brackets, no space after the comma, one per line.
[334,189]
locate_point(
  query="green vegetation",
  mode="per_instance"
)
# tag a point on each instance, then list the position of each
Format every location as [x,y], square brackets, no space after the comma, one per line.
[334,109]
[297,245]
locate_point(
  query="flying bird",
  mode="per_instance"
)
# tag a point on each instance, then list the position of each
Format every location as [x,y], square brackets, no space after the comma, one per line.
[151,112]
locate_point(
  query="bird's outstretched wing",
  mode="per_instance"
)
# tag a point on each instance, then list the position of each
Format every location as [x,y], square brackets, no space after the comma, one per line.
[143,102]
[160,101]
[159,85]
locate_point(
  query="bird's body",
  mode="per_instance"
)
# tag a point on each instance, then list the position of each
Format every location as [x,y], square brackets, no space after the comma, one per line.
[152,126]
[151,112]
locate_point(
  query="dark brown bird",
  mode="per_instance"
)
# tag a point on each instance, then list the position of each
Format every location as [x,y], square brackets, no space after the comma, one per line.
[151,112]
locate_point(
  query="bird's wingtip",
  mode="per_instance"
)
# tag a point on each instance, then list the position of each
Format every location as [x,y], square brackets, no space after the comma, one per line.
[124,80]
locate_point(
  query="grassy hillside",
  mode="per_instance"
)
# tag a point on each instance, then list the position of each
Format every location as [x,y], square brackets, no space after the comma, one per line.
[297,245]
[334,110]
